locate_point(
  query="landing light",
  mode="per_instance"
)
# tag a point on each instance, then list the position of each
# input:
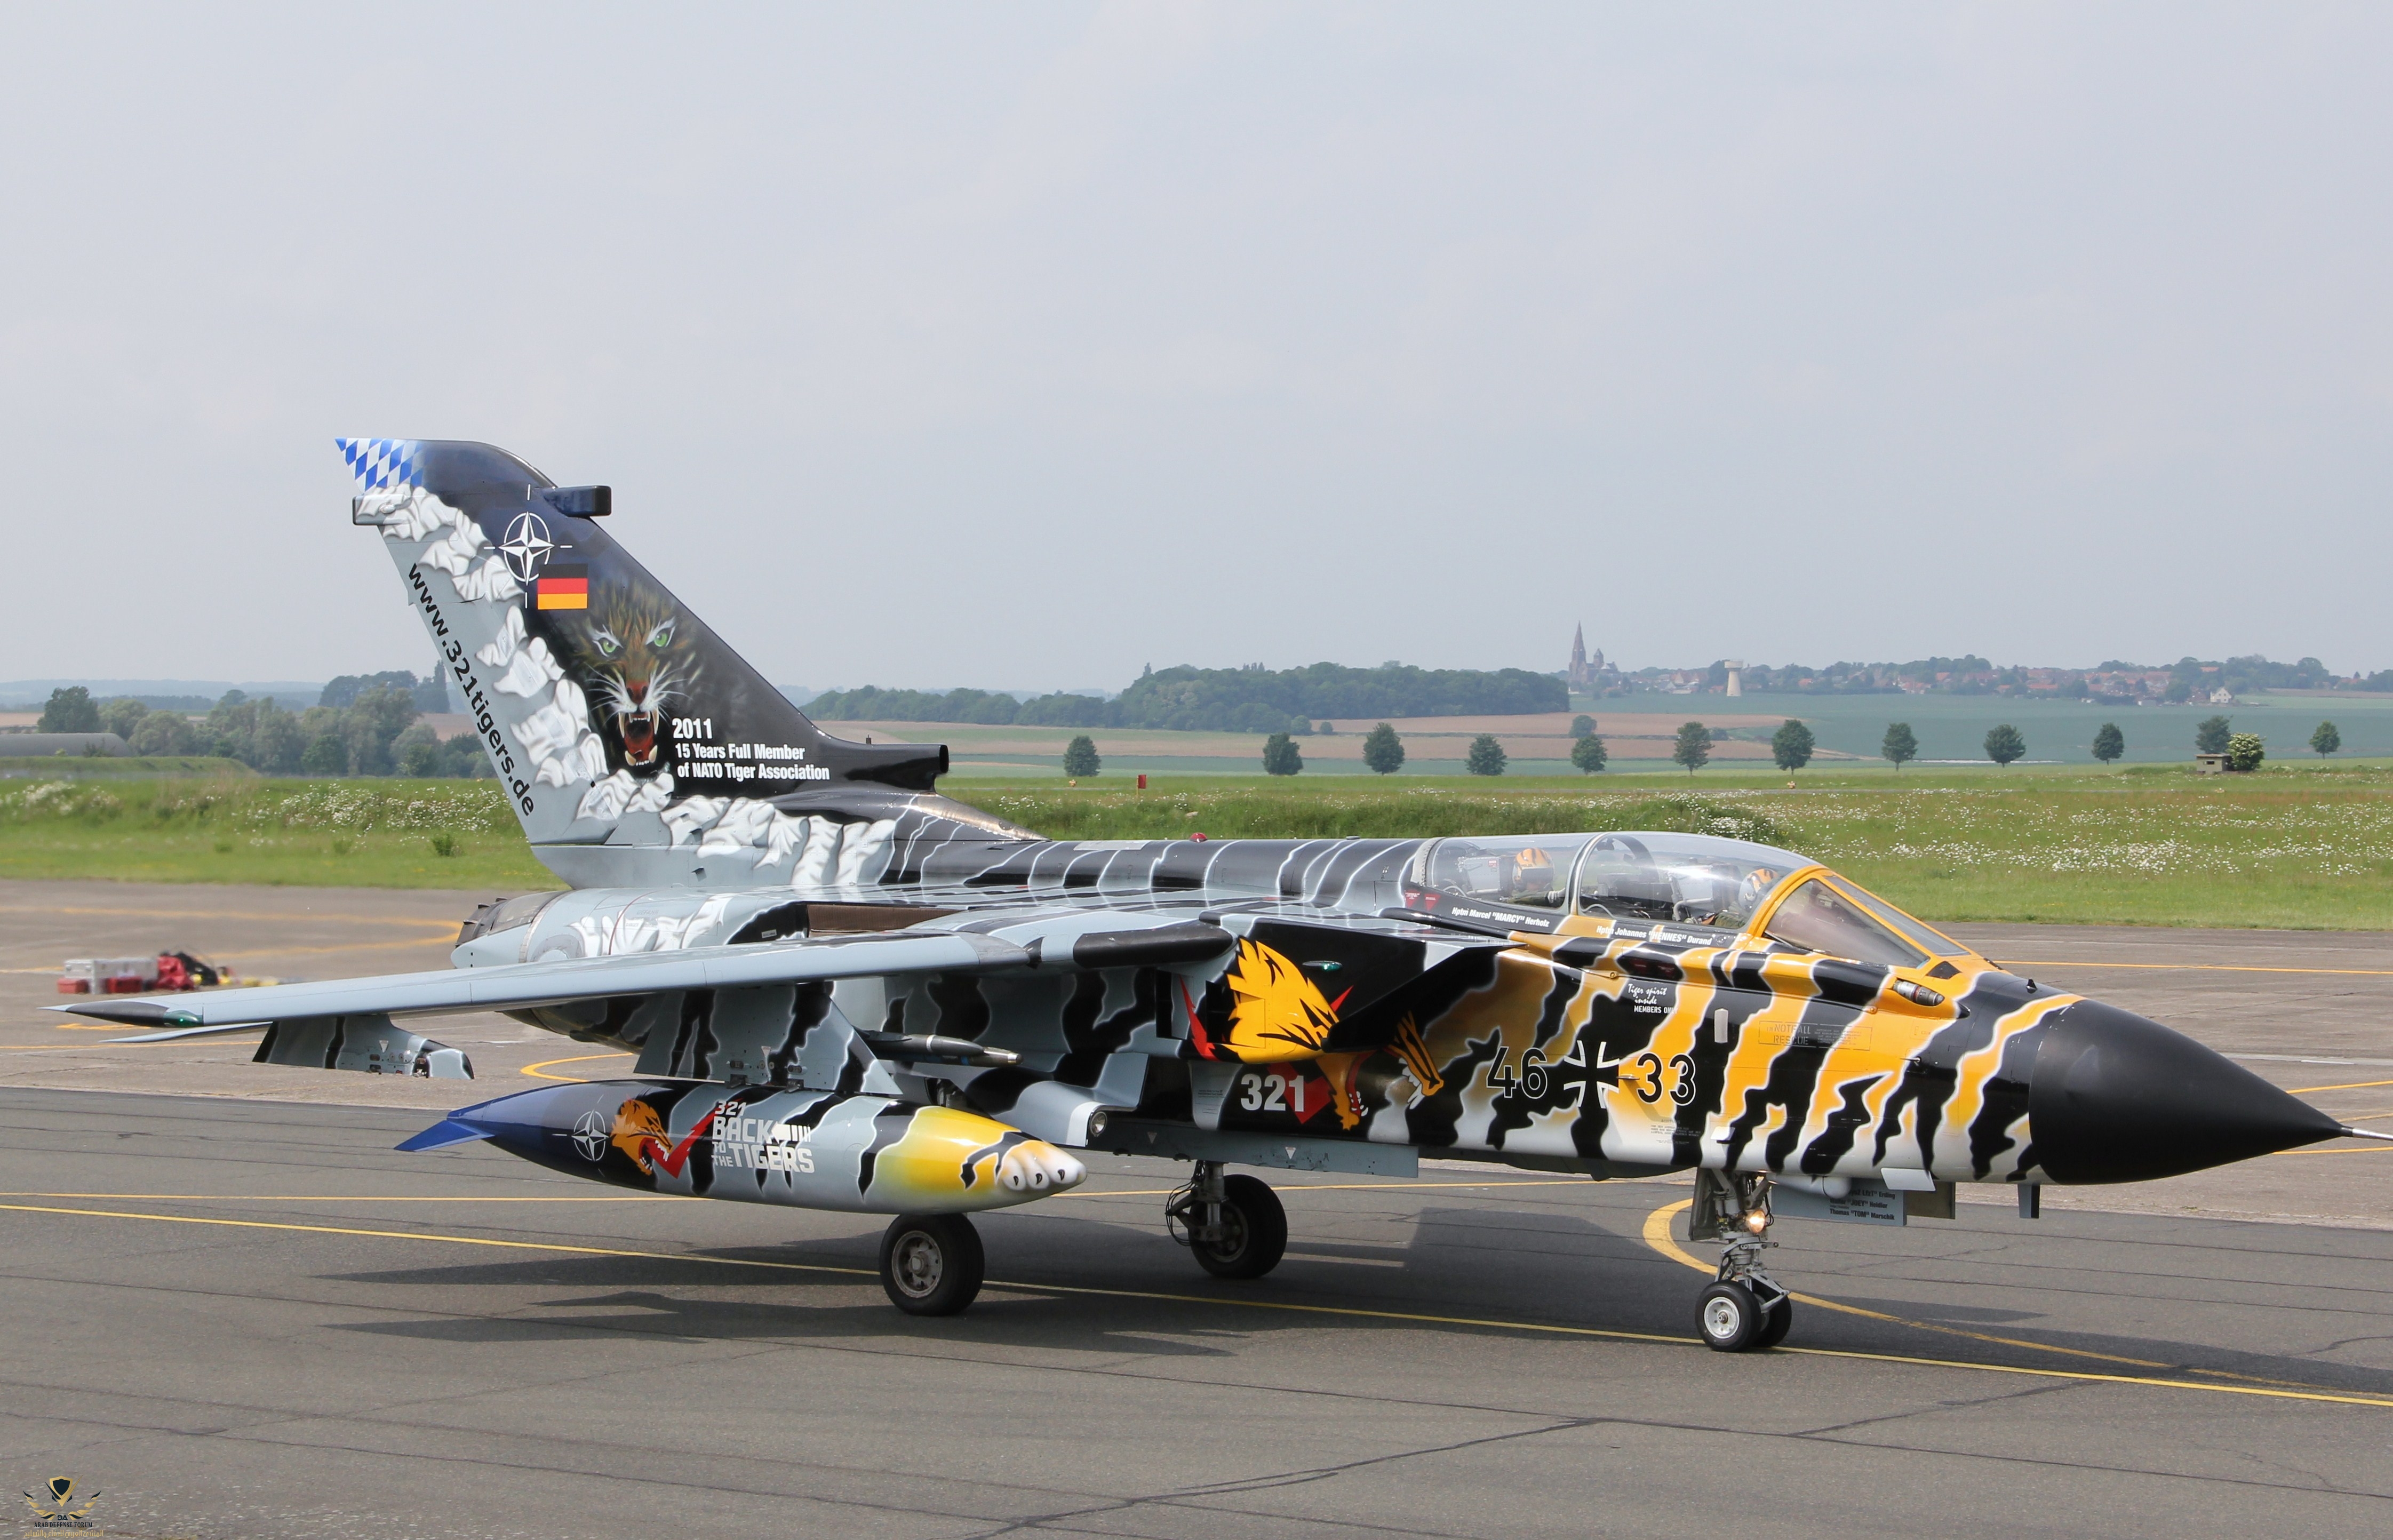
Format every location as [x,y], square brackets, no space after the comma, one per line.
[1757,1221]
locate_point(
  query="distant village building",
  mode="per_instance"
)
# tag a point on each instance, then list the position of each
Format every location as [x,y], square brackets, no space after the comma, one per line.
[1735,679]
[1589,675]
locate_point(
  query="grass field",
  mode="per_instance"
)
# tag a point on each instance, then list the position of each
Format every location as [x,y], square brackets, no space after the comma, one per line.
[104,767]
[248,829]
[2290,847]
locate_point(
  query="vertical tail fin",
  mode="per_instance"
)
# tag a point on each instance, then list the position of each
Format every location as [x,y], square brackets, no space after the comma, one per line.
[615,717]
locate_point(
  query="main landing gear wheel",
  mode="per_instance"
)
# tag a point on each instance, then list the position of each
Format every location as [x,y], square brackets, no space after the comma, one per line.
[931,1264]
[1234,1226]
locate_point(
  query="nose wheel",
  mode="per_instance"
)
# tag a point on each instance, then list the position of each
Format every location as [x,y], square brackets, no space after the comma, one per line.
[1734,1320]
[1234,1226]
[1745,1310]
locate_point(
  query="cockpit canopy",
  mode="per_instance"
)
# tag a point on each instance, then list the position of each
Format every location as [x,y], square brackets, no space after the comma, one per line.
[1691,880]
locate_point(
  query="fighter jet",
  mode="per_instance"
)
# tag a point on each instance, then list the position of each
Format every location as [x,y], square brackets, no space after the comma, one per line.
[846,991]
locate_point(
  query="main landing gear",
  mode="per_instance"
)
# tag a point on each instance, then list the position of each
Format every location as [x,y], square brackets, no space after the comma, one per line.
[1746,1310]
[930,1263]
[1234,1226]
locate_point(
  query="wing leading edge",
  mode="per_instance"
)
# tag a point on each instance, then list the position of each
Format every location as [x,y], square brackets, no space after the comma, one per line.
[528,985]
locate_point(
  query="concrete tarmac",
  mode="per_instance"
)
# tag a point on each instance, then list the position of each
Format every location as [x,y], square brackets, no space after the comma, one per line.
[235,1315]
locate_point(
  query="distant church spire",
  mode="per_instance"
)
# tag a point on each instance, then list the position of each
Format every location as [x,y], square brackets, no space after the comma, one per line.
[1579,676]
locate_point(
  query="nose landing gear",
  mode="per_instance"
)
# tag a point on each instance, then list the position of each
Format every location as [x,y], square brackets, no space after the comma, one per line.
[1746,1310]
[1234,1226]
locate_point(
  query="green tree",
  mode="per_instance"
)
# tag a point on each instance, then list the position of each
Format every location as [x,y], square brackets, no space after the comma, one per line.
[69,711]
[2327,739]
[2245,751]
[372,723]
[2178,694]
[1384,750]
[1900,745]
[121,716]
[2004,743]
[327,754]
[1792,745]
[1589,753]
[418,753]
[1694,747]
[1281,756]
[1582,725]
[276,743]
[1486,756]
[2211,734]
[2109,742]
[1081,757]
[461,756]
[166,733]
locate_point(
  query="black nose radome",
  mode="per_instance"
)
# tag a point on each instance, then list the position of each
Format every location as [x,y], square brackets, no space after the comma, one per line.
[2117,1098]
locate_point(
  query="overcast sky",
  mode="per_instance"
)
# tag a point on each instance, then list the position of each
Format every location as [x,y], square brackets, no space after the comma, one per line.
[1021,346]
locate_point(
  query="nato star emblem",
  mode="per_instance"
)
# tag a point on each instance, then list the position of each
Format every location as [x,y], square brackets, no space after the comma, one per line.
[527,545]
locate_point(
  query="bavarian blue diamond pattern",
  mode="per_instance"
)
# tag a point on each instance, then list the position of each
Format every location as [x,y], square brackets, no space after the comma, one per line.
[379,463]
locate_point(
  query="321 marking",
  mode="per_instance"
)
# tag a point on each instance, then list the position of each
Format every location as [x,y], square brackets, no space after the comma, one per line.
[1274,1091]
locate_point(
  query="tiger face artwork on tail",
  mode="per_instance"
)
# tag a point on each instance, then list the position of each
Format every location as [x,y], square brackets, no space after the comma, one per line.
[638,658]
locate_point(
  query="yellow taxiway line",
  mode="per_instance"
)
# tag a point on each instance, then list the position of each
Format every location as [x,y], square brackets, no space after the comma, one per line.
[2345,1149]
[342,947]
[1286,1307]
[2206,968]
[534,1070]
[683,1198]
[378,921]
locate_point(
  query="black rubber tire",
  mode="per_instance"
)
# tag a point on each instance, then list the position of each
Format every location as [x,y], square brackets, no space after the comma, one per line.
[1258,1232]
[1728,1317]
[1774,1322]
[930,1263]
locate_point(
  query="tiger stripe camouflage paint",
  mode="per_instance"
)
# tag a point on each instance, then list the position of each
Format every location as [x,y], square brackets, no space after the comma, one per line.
[1613,1057]
[1610,1002]
[1611,1048]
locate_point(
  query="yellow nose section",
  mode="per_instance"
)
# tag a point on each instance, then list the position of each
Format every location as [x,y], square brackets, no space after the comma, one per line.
[951,1162]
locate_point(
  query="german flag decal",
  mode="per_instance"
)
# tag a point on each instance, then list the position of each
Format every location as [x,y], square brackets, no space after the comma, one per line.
[561,587]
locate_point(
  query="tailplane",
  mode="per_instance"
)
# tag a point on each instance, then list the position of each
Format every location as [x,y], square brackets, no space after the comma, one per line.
[634,743]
